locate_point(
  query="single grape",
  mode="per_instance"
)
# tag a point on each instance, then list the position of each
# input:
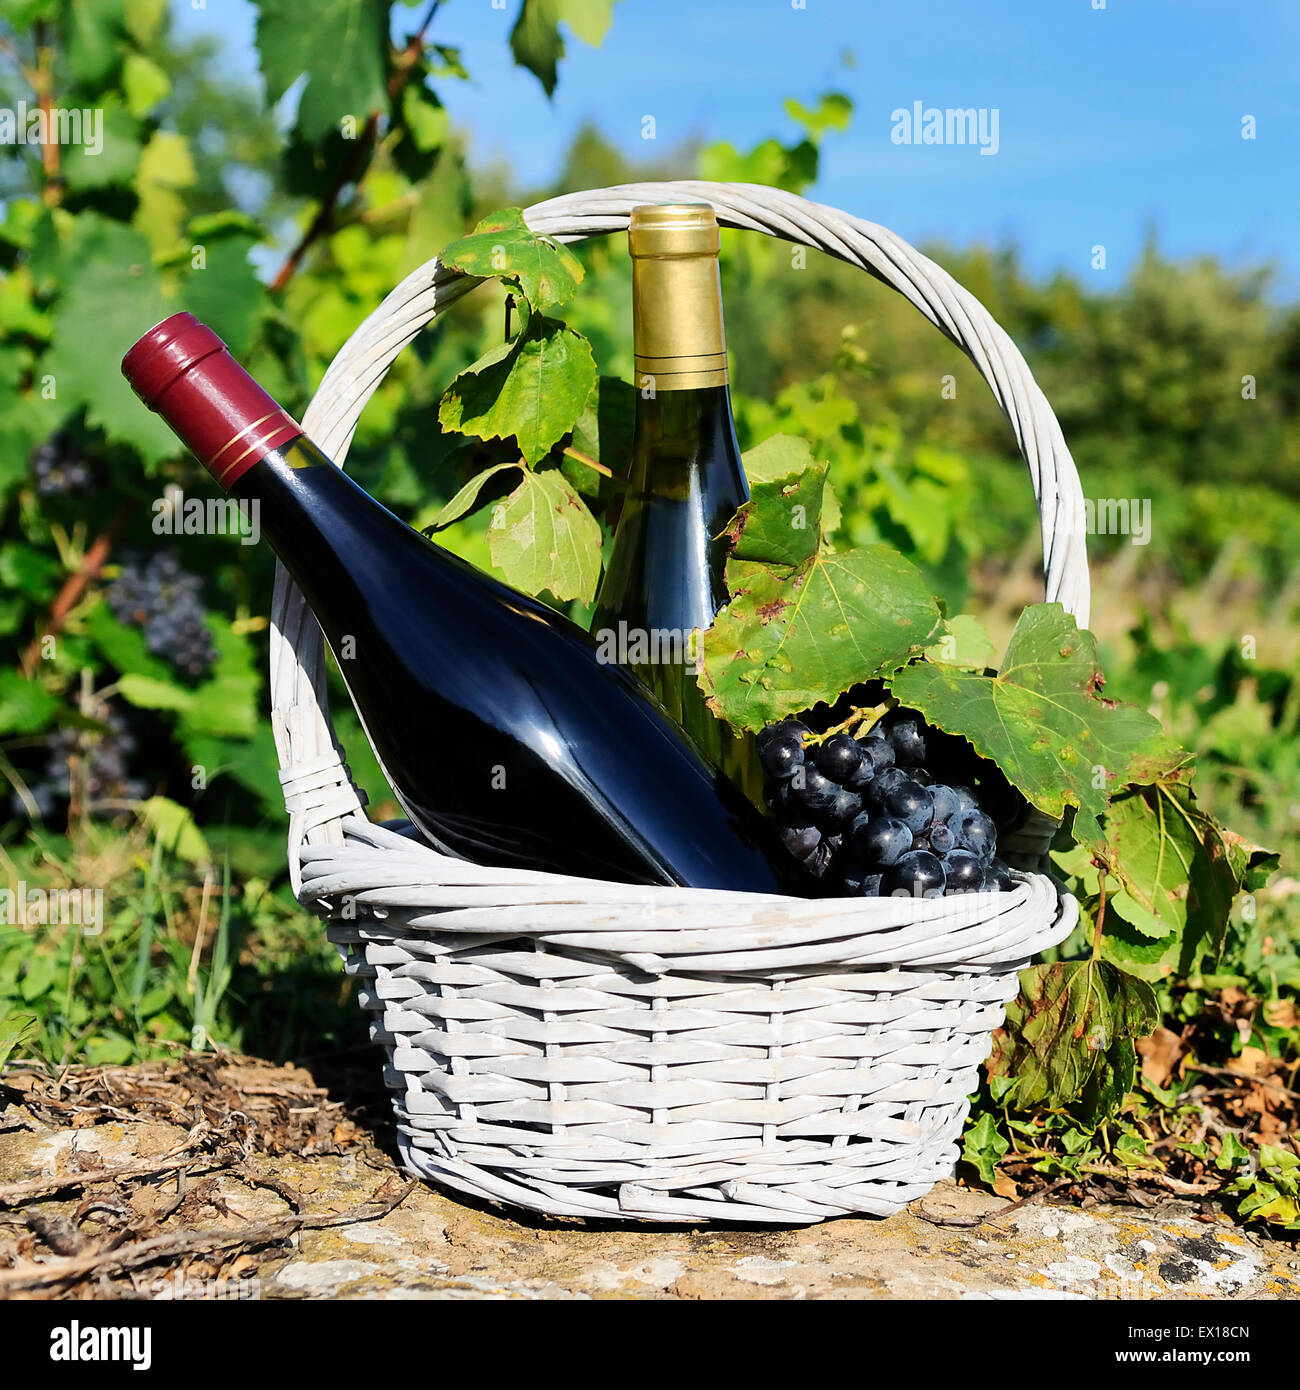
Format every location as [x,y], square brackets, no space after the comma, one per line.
[997,877]
[800,840]
[839,758]
[880,840]
[783,728]
[810,787]
[784,807]
[877,751]
[781,756]
[918,874]
[911,803]
[965,871]
[942,838]
[966,800]
[883,783]
[843,808]
[908,742]
[945,802]
[977,833]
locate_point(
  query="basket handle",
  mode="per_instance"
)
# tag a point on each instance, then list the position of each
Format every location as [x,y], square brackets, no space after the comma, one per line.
[318,791]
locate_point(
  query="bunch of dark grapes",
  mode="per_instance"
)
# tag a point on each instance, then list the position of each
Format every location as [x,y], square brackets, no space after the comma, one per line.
[868,818]
[107,771]
[59,468]
[165,601]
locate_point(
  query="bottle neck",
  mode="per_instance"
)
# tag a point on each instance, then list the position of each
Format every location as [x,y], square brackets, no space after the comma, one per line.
[677,329]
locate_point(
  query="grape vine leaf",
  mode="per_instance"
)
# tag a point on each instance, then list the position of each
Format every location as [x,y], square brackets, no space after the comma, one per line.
[536,41]
[341,45]
[541,537]
[1044,722]
[533,388]
[1073,1027]
[224,290]
[25,706]
[804,622]
[604,429]
[112,286]
[965,643]
[545,272]
[166,167]
[1180,873]
[984,1147]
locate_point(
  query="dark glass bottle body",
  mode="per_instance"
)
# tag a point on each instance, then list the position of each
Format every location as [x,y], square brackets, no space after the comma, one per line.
[665,573]
[505,737]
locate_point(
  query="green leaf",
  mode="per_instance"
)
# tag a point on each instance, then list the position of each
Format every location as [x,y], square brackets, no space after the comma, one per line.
[604,429]
[143,18]
[123,645]
[26,707]
[114,292]
[804,622]
[1043,720]
[1072,1026]
[464,501]
[1135,954]
[12,1033]
[91,36]
[225,705]
[535,41]
[175,828]
[546,273]
[223,290]
[144,83]
[533,389]
[38,978]
[1180,869]
[28,570]
[341,45]
[543,538]
[965,643]
[166,168]
[425,118]
[148,692]
[109,161]
[832,113]
[1232,1152]
[983,1147]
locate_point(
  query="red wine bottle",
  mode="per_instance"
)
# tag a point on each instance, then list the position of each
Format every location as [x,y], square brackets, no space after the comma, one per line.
[504,736]
[664,583]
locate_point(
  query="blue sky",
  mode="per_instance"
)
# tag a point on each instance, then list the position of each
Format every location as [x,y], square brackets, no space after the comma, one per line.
[1110,121]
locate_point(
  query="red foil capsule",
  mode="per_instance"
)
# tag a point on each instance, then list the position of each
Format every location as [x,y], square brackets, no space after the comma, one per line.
[182,370]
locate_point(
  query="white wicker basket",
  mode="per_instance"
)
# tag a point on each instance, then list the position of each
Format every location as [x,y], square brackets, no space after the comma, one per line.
[667,1054]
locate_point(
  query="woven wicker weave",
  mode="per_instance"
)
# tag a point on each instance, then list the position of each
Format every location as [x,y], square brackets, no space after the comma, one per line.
[596,1049]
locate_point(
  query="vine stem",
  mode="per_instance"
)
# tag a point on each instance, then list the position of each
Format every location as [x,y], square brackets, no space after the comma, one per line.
[52,193]
[861,717]
[404,67]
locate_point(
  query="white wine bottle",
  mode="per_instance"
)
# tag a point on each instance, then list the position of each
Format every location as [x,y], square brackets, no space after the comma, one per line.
[664,583]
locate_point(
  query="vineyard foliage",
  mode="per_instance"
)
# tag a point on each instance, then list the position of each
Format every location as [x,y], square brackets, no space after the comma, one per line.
[135,753]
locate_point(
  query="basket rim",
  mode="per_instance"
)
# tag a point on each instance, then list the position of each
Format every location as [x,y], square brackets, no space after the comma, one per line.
[319,793]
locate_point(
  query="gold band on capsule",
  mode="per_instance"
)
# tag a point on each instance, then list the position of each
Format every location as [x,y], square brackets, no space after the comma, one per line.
[279,433]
